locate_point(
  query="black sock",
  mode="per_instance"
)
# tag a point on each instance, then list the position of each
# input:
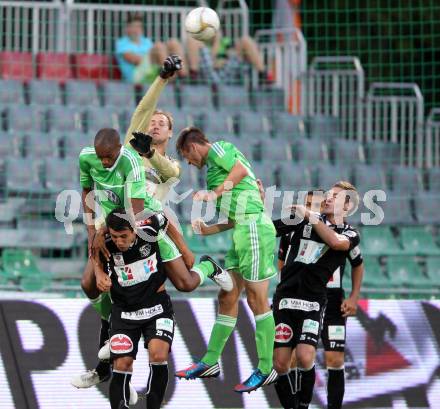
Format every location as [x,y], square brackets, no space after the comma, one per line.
[103,368]
[286,391]
[157,384]
[335,388]
[120,390]
[306,384]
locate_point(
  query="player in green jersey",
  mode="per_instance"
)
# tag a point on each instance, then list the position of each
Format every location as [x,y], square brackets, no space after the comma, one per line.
[232,184]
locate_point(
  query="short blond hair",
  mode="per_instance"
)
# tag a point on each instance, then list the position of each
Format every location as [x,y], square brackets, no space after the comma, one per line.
[166,114]
[347,186]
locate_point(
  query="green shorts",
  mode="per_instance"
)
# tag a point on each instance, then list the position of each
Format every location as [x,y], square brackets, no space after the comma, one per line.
[168,250]
[252,251]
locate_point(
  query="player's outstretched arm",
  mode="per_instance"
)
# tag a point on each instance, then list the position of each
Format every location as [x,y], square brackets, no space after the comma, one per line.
[177,238]
[200,227]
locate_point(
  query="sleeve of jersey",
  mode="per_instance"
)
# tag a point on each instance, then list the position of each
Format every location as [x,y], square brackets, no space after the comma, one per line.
[353,237]
[222,158]
[85,178]
[135,177]
[283,226]
[284,244]
[166,167]
[144,111]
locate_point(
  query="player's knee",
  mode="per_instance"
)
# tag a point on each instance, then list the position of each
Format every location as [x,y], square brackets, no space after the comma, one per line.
[334,360]
[158,356]
[227,299]
[282,366]
[123,364]
[305,359]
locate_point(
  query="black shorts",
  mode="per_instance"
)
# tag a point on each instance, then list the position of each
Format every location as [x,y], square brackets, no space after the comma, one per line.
[334,328]
[297,321]
[126,328]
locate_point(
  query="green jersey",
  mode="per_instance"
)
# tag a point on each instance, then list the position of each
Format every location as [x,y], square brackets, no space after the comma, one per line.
[124,180]
[244,198]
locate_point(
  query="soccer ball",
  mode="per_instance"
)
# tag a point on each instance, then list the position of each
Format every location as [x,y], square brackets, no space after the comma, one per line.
[202,23]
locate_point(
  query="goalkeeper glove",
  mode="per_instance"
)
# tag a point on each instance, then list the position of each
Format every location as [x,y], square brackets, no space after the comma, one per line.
[171,64]
[142,144]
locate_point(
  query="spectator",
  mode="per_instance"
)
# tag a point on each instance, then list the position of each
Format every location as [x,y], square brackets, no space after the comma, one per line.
[222,62]
[138,58]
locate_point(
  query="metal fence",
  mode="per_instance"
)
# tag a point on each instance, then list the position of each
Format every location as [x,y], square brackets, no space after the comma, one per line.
[336,87]
[394,113]
[432,133]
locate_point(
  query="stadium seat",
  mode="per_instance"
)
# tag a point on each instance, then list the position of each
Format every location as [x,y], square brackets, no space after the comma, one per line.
[63,119]
[277,151]
[397,210]
[433,270]
[10,145]
[328,175]
[405,272]
[81,94]
[180,120]
[11,92]
[217,123]
[378,241]
[345,151]
[368,177]
[288,127]
[23,176]
[25,118]
[434,180]
[54,66]
[168,98]
[40,145]
[294,177]
[383,153]
[91,67]
[406,179]
[253,123]
[310,151]
[426,208]
[233,98]
[43,92]
[15,65]
[9,238]
[118,94]
[374,277]
[74,142]
[418,240]
[268,101]
[196,97]
[10,210]
[266,172]
[324,127]
[97,118]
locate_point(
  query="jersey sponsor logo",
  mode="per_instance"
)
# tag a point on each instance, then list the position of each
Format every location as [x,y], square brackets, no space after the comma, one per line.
[118,259]
[137,272]
[112,196]
[121,344]
[310,251]
[307,231]
[355,252]
[145,222]
[145,250]
[335,280]
[143,313]
[349,233]
[296,304]
[311,326]
[283,333]
[165,324]
[336,332]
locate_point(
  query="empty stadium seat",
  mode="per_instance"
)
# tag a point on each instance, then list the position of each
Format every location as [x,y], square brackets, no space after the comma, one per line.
[54,66]
[43,92]
[11,92]
[180,120]
[287,126]
[168,98]
[23,176]
[25,118]
[63,119]
[74,142]
[81,94]
[328,175]
[196,96]
[118,94]
[91,67]
[404,271]
[253,123]
[434,180]
[61,174]
[406,179]
[16,65]
[324,127]
[417,240]
[426,208]
[397,209]
[217,123]
[379,240]
[233,98]
[383,153]
[294,177]
[310,151]
[275,151]
[345,151]
[10,145]
[268,101]
[97,118]
[266,172]
[374,277]
[40,145]
[368,177]
[433,270]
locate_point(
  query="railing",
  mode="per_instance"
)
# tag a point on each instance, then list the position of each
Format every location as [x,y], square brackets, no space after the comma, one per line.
[285,53]
[336,87]
[394,113]
[432,132]
[234,17]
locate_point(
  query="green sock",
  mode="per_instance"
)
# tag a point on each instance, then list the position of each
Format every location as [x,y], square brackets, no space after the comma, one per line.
[203,269]
[102,305]
[223,327]
[264,338]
